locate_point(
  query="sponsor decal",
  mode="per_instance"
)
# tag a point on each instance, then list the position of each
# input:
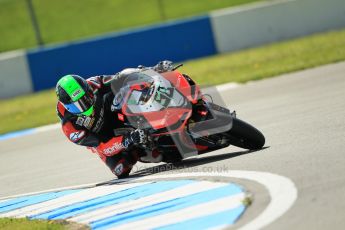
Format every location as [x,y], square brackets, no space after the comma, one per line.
[126,143]
[99,123]
[76,136]
[76,93]
[112,149]
[87,122]
[80,121]
[117,101]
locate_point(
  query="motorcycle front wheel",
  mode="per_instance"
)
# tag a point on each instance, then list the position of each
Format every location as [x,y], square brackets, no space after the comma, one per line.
[245,136]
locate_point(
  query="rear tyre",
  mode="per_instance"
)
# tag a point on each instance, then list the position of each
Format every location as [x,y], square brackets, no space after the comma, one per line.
[245,136]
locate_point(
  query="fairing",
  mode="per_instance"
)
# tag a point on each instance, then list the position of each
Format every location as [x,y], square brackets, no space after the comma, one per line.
[162,100]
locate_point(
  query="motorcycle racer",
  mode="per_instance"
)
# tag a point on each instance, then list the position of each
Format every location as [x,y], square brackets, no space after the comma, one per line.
[84,108]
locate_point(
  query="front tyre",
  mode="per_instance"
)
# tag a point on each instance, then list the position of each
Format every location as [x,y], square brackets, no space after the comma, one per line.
[245,136]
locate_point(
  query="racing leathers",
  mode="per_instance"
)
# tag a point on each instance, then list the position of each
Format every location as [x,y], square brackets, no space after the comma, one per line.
[98,131]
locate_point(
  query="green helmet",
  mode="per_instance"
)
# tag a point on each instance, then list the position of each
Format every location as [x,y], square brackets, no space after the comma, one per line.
[76,95]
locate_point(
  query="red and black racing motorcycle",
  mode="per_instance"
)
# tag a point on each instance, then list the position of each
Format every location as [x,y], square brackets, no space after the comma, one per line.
[180,120]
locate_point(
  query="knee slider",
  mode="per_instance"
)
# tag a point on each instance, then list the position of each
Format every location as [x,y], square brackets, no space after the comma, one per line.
[122,168]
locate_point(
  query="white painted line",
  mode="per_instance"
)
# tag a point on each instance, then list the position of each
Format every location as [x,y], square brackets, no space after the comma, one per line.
[220,88]
[196,211]
[227,86]
[4,200]
[148,200]
[73,198]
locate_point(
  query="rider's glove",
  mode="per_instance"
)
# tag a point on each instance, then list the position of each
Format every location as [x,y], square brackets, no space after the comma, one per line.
[135,137]
[163,66]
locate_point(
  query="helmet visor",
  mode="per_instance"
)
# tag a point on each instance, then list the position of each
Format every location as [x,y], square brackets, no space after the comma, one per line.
[82,106]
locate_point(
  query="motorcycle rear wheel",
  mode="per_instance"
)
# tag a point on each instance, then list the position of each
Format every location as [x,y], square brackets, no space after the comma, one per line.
[245,136]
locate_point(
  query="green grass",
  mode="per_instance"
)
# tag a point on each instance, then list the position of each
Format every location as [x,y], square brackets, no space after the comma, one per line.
[67,20]
[253,64]
[25,224]
[269,60]
[28,111]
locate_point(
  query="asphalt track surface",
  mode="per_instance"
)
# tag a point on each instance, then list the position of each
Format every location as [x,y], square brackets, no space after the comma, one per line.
[302,116]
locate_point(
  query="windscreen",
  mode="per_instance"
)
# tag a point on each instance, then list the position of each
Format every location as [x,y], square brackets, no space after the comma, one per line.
[158,94]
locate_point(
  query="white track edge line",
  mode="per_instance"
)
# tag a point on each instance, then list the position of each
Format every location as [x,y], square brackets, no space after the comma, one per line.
[42,207]
[142,202]
[281,189]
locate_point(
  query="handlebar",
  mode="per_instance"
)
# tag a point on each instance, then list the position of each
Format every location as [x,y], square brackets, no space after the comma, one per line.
[178,66]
